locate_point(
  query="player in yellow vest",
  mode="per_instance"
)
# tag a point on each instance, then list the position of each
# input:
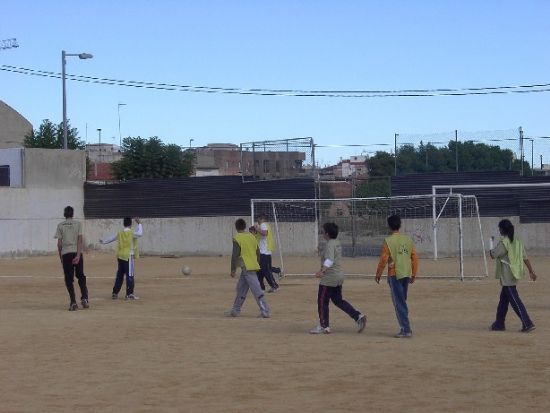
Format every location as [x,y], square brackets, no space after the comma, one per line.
[400,255]
[510,255]
[266,244]
[245,256]
[127,250]
[69,246]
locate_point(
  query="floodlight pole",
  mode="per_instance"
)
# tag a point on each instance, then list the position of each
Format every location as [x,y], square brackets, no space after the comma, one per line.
[63,64]
[119,133]
[395,136]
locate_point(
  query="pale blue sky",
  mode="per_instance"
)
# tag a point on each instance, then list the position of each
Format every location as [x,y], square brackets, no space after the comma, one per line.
[310,45]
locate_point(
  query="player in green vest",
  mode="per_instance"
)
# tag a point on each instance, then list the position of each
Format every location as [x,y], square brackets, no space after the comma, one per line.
[399,253]
[510,256]
[245,255]
[127,250]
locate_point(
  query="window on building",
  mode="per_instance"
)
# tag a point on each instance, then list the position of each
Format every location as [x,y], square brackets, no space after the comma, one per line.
[266,166]
[277,166]
[4,175]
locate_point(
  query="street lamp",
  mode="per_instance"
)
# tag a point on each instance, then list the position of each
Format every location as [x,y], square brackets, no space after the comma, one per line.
[99,133]
[63,64]
[190,142]
[119,134]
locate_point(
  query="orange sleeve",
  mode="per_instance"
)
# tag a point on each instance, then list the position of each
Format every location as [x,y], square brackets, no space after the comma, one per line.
[384,257]
[414,261]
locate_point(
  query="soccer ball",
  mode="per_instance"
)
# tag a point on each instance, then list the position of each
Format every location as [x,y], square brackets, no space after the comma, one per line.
[185,270]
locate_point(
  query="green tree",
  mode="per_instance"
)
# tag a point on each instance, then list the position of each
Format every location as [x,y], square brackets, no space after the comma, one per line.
[50,136]
[151,158]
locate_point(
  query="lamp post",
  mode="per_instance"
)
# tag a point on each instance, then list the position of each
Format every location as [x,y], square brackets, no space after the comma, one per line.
[63,64]
[190,142]
[119,134]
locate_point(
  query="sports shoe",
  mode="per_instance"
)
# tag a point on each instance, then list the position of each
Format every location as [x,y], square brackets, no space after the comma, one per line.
[264,315]
[231,313]
[361,322]
[402,334]
[273,290]
[114,296]
[527,329]
[275,270]
[495,327]
[132,297]
[85,303]
[320,330]
[73,307]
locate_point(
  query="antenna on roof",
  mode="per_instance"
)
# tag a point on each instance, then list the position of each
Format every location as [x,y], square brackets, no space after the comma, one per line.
[8,44]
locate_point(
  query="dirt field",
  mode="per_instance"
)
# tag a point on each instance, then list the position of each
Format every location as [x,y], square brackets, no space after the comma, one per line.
[173,351]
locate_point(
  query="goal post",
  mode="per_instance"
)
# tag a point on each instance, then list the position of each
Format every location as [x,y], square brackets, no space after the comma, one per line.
[297,226]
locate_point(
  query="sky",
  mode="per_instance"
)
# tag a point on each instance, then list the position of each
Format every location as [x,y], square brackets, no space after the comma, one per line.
[290,45]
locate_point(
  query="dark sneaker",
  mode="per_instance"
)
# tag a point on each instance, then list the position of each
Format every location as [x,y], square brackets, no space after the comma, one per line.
[527,329]
[84,303]
[231,313]
[402,334]
[361,322]
[264,315]
[275,270]
[114,296]
[496,327]
[73,307]
[273,290]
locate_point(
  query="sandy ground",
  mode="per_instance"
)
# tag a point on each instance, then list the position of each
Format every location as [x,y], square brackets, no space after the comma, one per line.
[173,351]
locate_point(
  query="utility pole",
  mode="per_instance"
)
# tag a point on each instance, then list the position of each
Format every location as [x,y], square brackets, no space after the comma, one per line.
[456,150]
[395,153]
[521,152]
[532,163]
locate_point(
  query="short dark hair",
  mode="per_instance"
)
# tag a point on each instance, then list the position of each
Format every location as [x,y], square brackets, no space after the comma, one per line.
[240,224]
[127,222]
[394,222]
[68,212]
[507,228]
[331,229]
[261,216]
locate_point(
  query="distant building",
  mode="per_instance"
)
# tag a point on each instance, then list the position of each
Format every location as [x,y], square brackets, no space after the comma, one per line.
[100,157]
[225,159]
[355,166]
[13,127]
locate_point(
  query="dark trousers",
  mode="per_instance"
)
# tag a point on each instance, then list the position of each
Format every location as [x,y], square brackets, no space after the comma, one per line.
[70,270]
[327,294]
[265,272]
[509,295]
[399,289]
[125,268]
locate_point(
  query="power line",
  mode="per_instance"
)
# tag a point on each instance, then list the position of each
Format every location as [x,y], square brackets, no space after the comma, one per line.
[533,88]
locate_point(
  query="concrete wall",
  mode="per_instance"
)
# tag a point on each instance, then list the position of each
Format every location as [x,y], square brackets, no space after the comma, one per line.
[29,215]
[13,127]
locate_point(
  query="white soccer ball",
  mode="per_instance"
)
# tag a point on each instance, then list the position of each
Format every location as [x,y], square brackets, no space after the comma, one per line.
[185,270]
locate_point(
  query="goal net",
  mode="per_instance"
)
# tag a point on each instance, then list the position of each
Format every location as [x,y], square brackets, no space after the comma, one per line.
[446,229]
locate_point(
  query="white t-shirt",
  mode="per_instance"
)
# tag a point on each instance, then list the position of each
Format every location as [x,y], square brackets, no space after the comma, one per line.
[263,240]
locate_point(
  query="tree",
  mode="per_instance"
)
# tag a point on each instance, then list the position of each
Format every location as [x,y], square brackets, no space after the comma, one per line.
[50,136]
[151,158]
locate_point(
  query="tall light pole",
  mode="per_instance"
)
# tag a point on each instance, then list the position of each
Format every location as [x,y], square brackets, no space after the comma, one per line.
[119,134]
[190,142]
[63,64]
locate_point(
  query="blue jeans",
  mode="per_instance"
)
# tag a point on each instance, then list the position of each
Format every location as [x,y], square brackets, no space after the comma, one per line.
[399,289]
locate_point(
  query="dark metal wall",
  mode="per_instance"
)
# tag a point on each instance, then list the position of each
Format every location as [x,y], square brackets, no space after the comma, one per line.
[531,204]
[187,197]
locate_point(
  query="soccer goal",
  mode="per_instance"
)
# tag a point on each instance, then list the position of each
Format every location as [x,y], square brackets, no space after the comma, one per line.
[446,229]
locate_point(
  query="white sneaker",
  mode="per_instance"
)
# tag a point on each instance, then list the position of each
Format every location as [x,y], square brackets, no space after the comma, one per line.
[320,330]
[273,290]
[361,322]
[132,297]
